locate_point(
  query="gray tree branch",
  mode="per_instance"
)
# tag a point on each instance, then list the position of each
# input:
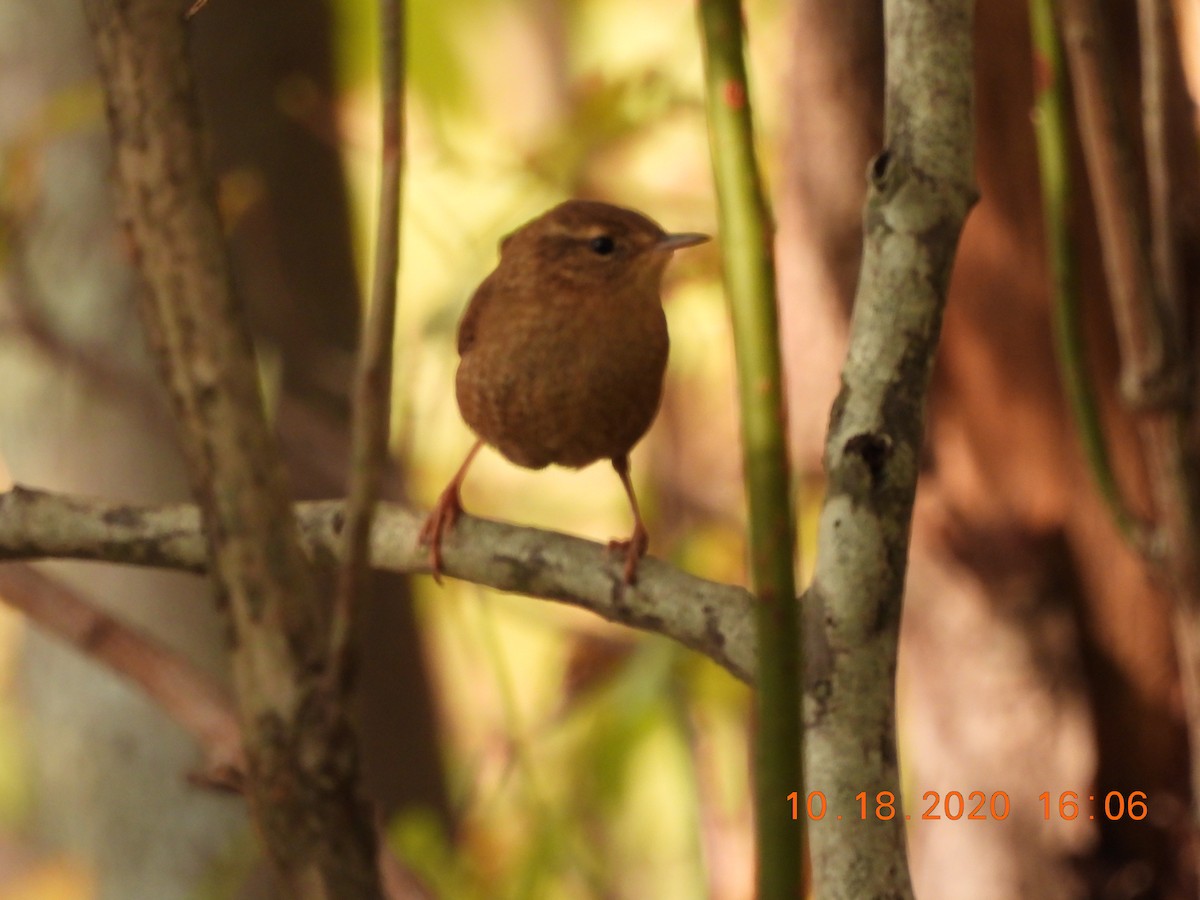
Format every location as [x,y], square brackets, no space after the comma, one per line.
[920,190]
[714,619]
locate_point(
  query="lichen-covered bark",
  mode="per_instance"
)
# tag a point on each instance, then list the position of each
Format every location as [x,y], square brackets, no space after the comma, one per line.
[714,619]
[921,189]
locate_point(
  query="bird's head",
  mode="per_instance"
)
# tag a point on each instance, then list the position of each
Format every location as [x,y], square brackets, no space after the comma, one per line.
[585,244]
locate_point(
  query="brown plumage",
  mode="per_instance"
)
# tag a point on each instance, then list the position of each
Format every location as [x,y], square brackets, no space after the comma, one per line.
[563,349]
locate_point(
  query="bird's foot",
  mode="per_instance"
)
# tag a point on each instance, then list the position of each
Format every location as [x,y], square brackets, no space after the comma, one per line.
[441,519]
[633,550]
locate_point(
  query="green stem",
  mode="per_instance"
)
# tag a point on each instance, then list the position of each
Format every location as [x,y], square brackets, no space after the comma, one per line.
[1052,131]
[746,246]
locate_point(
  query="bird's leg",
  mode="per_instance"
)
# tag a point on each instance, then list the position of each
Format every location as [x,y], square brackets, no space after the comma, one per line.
[634,548]
[443,516]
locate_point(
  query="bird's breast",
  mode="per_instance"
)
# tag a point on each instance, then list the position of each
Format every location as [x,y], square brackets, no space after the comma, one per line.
[564,384]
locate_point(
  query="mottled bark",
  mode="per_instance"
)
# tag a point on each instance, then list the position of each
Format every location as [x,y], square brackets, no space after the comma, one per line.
[1036,649]
[301,752]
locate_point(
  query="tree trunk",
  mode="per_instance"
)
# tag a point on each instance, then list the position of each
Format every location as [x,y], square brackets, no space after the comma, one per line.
[1036,652]
[82,411]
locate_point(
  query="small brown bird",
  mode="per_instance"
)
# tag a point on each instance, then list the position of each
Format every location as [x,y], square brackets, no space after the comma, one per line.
[563,349]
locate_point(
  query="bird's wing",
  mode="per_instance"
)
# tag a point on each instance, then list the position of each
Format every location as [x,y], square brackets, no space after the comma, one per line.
[482,297]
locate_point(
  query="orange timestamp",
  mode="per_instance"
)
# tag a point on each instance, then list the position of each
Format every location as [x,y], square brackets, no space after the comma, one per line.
[974,806]
[953,805]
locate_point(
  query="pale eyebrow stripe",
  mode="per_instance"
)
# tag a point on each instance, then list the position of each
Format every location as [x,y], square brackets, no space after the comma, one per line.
[587,233]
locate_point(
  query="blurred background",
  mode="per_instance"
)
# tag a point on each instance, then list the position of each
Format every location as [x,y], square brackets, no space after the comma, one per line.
[522,749]
[516,748]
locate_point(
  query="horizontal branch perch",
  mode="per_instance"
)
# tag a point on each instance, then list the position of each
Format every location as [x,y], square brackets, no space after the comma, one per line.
[714,619]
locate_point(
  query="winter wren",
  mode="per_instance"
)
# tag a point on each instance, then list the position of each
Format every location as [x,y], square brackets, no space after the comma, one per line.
[563,349]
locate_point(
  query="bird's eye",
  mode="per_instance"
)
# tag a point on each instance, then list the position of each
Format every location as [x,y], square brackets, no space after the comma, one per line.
[603,245]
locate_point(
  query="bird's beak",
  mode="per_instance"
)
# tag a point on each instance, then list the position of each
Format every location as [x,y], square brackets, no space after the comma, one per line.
[673,242]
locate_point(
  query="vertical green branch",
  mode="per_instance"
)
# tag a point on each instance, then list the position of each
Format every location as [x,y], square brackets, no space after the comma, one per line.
[1051,128]
[746,248]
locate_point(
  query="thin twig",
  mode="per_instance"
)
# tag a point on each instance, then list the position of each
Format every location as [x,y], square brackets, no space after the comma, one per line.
[1053,145]
[373,379]
[193,700]
[1145,328]
[1146,381]
[1156,29]
[746,248]
[1154,348]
